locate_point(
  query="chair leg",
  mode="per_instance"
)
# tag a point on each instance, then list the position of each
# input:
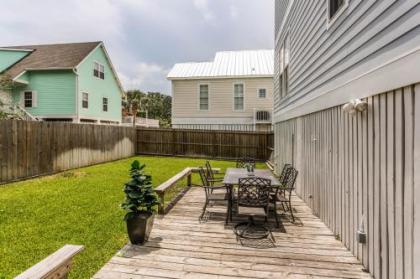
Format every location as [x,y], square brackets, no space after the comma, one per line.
[228,213]
[282,205]
[291,212]
[266,210]
[276,216]
[204,209]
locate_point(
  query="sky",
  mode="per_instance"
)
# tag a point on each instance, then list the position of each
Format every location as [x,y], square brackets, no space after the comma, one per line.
[144,38]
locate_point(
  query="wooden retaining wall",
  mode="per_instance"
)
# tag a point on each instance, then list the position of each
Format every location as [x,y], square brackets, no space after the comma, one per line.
[29,148]
[363,168]
[204,143]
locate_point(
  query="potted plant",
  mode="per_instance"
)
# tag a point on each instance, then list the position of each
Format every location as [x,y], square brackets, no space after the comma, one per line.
[139,203]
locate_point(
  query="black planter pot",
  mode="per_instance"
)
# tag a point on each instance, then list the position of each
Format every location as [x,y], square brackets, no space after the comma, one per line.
[139,227]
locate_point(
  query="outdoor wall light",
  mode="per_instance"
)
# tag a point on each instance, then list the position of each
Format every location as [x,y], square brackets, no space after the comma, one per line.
[355,106]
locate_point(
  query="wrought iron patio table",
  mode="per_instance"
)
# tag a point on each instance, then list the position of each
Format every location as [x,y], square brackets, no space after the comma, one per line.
[232,176]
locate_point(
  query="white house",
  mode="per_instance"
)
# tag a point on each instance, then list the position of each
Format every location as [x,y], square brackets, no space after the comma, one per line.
[347,115]
[233,92]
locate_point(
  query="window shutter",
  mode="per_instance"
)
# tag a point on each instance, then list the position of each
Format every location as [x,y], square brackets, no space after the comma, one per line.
[34,99]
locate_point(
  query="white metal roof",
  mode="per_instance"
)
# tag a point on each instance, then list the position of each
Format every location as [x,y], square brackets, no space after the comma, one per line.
[228,64]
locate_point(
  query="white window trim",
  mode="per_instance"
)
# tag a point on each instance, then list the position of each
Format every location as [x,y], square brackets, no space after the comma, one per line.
[82,101]
[107,103]
[258,93]
[331,21]
[34,99]
[208,96]
[233,95]
[100,64]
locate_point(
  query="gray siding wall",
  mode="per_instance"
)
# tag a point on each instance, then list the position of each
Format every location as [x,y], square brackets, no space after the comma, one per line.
[362,168]
[368,34]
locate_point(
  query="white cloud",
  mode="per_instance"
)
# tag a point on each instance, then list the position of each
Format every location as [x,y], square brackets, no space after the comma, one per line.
[203,7]
[143,37]
[146,76]
[234,11]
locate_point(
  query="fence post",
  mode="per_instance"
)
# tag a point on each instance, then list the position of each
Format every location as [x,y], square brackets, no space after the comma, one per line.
[189,180]
[161,206]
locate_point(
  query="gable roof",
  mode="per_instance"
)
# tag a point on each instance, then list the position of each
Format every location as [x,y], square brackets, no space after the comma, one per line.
[228,64]
[54,56]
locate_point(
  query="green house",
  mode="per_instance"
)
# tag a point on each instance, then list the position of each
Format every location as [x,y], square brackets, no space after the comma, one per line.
[62,82]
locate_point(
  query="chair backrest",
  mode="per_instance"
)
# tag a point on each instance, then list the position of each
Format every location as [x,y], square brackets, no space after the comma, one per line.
[291,178]
[244,162]
[290,183]
[254,192]
[284,174]
[206,184]
[203,176]
[209,170]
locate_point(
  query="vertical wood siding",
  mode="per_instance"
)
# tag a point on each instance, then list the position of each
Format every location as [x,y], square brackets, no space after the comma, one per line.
[29,148]
[361,170]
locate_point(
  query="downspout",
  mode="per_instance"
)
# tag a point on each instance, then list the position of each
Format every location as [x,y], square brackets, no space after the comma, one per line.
[77,95]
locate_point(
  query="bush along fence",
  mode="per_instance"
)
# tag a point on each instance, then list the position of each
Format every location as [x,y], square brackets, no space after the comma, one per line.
[32,148]
[204,143]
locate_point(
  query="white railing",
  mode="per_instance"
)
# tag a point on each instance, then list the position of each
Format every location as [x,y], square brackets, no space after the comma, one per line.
[26,114]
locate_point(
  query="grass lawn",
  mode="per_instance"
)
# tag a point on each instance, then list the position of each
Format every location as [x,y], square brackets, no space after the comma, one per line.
[39,216]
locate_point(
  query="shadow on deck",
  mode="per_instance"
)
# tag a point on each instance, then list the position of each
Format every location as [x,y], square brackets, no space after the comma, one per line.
[181,246]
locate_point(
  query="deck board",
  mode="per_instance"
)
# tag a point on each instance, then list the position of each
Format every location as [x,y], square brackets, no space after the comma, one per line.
[183,247]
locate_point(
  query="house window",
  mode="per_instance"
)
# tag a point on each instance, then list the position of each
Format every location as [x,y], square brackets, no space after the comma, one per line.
[99,70]
[238,96]
[105,104]
[262,93]
[28,99]
[334,6]
[85,100]
[204,97]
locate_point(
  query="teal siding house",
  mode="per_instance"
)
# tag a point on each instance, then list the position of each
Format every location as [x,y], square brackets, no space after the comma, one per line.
[62,82]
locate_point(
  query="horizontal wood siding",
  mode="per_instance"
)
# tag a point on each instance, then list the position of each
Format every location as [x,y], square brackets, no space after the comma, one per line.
[29,148]
[359,170]
[204,143]
[367,35]
[185,102]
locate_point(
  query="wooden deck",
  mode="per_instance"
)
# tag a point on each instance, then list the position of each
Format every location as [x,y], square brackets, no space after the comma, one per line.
[183,247]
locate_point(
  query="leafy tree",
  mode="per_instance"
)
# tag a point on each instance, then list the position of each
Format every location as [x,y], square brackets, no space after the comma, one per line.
[157,105]
[140,195]
[6,83]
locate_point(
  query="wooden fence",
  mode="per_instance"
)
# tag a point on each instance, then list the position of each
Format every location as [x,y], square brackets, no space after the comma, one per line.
[30,148]
[204,143]
[362,171]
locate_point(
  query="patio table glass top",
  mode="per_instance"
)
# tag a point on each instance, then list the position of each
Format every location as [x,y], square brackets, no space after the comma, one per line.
[232,176]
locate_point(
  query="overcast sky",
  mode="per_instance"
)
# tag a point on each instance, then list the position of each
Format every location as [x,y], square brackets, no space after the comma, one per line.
[143,37]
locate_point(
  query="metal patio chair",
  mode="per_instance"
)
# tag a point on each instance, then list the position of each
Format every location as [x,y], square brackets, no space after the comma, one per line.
[211,176]
[283,180]
[214,196]
[244,162]
[284,193]
[253,193]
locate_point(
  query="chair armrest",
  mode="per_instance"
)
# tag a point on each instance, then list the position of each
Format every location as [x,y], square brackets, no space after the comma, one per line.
[215,180]
[216,187]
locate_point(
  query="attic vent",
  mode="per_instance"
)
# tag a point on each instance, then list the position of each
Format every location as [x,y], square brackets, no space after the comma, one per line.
[263,115]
